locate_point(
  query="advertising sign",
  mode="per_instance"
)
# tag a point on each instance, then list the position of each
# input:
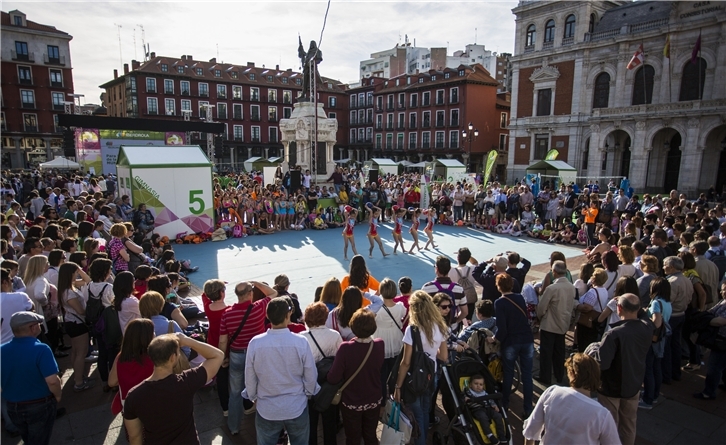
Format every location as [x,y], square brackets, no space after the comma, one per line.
[88,149]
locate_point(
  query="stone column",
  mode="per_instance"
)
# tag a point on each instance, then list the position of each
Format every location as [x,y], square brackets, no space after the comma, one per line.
[594,161]
[48,151]
[639,159]
[691,156]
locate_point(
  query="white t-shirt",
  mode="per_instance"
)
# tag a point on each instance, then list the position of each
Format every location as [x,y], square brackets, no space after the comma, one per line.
[129,311]
[430,349]
[11,303]
[555,411]
[98,290]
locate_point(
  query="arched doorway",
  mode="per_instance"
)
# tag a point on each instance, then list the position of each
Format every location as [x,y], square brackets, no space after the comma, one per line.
[625,158]
[617,149]
[713,163]
[664,161]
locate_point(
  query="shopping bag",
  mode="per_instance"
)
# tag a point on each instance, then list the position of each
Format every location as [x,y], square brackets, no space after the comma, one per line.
[397,427]
[389,436]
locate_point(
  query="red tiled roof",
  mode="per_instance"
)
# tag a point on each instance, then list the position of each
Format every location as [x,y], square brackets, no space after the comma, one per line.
[5,22]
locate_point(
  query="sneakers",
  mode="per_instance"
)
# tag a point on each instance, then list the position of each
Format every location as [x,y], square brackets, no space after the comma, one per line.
[82,387]
[691,367]
[225,413]
[492,439]
[643,405]
[249,406]
[91,359]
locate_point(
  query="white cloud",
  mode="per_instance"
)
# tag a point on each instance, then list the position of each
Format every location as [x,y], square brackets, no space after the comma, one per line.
[263,32]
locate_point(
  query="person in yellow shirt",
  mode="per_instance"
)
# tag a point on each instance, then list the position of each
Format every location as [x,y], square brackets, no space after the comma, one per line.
[590,215]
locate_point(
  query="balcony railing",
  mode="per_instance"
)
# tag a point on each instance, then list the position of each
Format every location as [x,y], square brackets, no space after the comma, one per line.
[54,60]
[439,145]
[185,92]
[151,90]
[255,98]
[568,41]
[272,100]
[390,107]
[414,105]
[440,123]
[237,116]
[59,107]
[31,128]
[273,139]
[399,146]
[168,91]
[454,123]
[401,106]
[454,144]
[255,118]
[239,139]
[454,100]
[254,139]
[389,126]
[28,105]
[153,112]
[529,49]
[204,94]
[23,81]
[426,103]
[56,84]
[24,57]
[401,126]
[548,45]
[379,126]
[439,101]
[411,145]
[389,145]
[272,119]
[221,95]
[425,145]
[412,126]
[426,124]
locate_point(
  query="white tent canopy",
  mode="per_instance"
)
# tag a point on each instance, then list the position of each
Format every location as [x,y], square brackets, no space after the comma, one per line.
[61,163]
[385,165]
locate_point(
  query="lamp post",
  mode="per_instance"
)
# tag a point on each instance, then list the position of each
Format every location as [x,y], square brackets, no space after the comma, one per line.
[469,136]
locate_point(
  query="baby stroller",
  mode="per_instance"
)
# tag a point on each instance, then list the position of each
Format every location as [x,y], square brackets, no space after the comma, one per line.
[463,428]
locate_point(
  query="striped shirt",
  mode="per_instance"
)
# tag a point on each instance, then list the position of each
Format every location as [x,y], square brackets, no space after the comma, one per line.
[254,325]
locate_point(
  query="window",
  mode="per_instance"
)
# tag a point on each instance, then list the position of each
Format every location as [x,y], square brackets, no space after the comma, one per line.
[237,92]
[502,141]
[332,101]
[27,97]
[420,80]
[401,100]
[570,26]
[170,107]
[352,136]
[541,145]
[378,141]
[168,86]
[440,118]
[24,75]
[426,99]
[272,114]
[544,99]
[255,134]
[454,95]
[30,122]
[503,120]
[236,111]
[369,99]
[152,106]
[269,78]
[447,75]
[284,80]
[433,78]
[58,101]
[150,85]
[531,36]
[694,76]
[353,117]
[298,81]
[389,122]
[180,69]
[411,141]
[454,118]
[203,107]
[255,113]
[591,25]
[440,97]
[414,100]
[426,119]
[643,85]
[361,135]
[399,141]
[389,141]
[287,97]
[132,105]
[203,89]
[164,68]
[401,121]
[454,139]
[255,94]
[221,110]
[426,140]
[217,73]
[272,96]
[252,76]
[56,78]
[379,102]
[221,91]
[601,91]
[199,72]
[389,103]
[439,139]
[21,50]
[287,112]
[412,121]
[461,73]
[186,105]
[238,133]
[17,20]
[184,84]
[549,34]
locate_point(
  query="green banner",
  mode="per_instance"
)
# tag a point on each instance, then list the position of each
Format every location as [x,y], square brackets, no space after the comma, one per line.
[491,158]
[552,155]
[132,134]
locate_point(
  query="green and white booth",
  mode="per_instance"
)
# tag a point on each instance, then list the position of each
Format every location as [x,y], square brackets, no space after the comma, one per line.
[449,170]
[383,165]
[555,171]
[175,183]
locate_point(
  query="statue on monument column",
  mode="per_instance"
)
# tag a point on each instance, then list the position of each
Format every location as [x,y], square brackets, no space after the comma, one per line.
[314,55]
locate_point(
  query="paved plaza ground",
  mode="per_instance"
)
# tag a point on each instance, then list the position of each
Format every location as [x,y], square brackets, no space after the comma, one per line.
[311,257]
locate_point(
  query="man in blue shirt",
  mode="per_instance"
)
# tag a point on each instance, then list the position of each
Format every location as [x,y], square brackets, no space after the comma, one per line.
[280,374]
[30,381]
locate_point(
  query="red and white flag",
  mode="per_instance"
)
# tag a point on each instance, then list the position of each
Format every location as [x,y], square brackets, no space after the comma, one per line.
[637,59]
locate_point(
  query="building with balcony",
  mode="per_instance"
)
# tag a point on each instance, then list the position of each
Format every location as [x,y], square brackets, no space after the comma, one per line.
[660,124]
[37,81]
[248,100]
[422,116]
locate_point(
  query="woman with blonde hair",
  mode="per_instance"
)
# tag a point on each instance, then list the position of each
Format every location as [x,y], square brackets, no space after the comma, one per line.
[73,308]
[427,325]
[331,293]
[45,300]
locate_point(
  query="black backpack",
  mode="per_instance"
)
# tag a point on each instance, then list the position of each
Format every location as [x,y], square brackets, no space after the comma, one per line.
[94,307]
[719,259]
[420,375]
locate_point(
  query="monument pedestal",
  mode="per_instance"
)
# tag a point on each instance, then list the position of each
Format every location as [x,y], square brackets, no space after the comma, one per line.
[297,140]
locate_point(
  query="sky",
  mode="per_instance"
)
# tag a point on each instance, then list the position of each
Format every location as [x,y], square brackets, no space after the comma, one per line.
[264,32]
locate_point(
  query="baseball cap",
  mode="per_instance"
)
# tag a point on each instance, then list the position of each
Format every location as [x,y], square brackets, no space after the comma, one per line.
[24,317]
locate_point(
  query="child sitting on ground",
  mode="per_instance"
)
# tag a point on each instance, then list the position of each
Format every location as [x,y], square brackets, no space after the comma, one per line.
[555,236]
[483,409]
[318,223]
[516,229]
[536,229]
[506,225]
[567,236]
[546,232]
[582,235]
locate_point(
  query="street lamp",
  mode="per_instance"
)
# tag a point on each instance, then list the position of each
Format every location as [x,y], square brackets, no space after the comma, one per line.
[469,137]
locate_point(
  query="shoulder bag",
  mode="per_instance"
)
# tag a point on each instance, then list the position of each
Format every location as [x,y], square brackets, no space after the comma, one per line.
[324,365]
[330,394]
[392,318]
[589,319]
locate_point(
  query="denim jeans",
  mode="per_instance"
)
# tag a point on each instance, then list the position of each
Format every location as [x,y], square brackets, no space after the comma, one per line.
[9,427]
[420,408]
[653,377]
[458,213]
[34,421]
[236,385]
[672,356]
[525,353]
[298,429]
[716,372]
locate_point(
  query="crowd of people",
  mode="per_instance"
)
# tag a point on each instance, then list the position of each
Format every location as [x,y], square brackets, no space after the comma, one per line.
[98,282]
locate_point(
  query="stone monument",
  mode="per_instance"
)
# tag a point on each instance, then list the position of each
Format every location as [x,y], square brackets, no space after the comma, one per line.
[307,120]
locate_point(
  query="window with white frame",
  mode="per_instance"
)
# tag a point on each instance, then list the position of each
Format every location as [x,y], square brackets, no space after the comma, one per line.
[414,99]
[272,95]
[454,139]
[440,139]
[389,141]
[454,95]
[186,105]
[272,114]
[454,118]
[426,139]
[221,91]
[170,107]
[255,134]
[503,120]
[286,96]
[439,97]
[168,86]
[58,100]
[254,93]
[272,134]
[203,108]
[27,98]
[238,133]
[426,99]
[30,122]
[221,110]
[237,111]
[379,138]
[412,141]
[353,117]
[150,85]
[236,92]
[287,112]
[255,112]
[152,105]
[56,78]
[203,89]
[185,89]
[352,136]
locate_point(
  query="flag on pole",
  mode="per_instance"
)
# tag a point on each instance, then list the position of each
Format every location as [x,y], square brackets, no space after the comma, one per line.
[637,59]
[696,50]
[491,158]
[667,47]
[552,155]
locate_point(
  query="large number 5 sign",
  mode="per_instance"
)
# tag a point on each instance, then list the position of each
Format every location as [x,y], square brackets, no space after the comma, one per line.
[195,198]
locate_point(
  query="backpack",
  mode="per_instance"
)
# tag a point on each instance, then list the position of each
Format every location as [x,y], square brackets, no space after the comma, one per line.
[706,288]
[420,376]
[719,259]
[237,231]
[109,327]
[450,293]
[94,307]
[469,289]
